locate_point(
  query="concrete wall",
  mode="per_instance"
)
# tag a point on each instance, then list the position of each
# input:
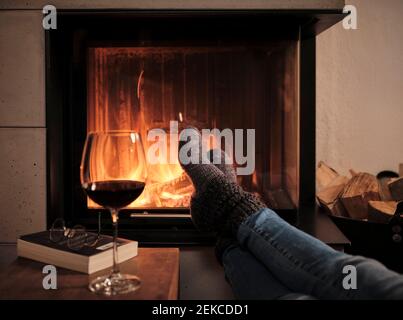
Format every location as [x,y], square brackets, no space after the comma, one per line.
[360,90]
[22,124]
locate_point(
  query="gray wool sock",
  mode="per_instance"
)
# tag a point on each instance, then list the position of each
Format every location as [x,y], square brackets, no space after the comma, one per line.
[218,204]
[222,161]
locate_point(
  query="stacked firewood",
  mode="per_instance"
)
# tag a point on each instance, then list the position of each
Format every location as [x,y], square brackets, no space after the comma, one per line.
[361,196]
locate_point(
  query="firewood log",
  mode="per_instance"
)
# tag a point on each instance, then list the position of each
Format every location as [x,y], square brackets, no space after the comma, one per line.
[361,188]
[381,211]
[396,188]
[324,175]
[353,173]
[339,180]
[328,198]
[330,186]
[384,191]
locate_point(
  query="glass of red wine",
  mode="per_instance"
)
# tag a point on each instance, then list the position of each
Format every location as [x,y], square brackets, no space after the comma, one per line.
[113,174]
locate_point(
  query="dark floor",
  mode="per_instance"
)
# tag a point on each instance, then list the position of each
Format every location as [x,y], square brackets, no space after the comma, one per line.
[201,276]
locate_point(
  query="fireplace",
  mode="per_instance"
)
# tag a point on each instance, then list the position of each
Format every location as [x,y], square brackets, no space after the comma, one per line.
[142,70]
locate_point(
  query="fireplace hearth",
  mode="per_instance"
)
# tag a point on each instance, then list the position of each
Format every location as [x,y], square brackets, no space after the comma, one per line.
[140,70]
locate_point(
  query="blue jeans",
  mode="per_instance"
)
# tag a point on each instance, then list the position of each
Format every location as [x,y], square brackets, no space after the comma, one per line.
[274,260]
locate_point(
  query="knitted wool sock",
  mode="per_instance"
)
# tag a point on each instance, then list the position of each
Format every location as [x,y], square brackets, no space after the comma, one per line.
[218,204]
[222,161]
[225,239]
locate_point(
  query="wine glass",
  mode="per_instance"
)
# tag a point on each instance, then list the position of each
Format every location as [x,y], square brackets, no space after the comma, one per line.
[113,174]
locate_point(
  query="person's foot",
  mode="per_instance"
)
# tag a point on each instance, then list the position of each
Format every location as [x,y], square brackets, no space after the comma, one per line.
[223,162]
[218,204]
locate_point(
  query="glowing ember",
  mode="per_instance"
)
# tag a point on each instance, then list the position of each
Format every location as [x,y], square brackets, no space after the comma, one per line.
[174,192]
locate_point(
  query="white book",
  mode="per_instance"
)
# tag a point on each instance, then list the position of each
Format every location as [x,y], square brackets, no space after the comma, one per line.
[39,247]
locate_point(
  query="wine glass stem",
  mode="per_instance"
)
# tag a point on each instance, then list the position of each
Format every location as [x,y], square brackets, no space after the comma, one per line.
[115,218]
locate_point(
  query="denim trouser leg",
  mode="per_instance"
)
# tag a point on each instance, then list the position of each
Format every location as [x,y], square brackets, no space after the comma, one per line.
[250,279]
[305,264]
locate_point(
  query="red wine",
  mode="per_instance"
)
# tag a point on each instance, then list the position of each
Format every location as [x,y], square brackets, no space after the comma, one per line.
[114,194]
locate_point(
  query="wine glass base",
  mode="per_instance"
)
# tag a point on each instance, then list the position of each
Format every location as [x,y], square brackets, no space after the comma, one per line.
[115,284]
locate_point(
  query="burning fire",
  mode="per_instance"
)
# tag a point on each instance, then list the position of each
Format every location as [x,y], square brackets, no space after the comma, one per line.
[121,97]
[167,186]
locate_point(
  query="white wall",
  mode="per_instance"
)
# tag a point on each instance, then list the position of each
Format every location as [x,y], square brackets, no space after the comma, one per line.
[360,90]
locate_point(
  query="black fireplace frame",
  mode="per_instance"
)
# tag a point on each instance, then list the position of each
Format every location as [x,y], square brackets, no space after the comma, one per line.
[66,100]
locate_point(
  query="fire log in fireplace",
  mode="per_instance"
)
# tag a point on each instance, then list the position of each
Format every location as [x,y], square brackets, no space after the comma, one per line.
[139,70]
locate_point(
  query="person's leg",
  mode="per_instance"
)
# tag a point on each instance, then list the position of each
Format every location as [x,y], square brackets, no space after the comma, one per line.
[249,278]
[305,264]
[301,262]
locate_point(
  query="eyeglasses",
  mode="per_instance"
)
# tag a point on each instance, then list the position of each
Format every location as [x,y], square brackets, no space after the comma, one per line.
[75,238]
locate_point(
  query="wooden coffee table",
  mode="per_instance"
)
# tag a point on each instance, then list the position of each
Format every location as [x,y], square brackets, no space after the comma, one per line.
[158,269]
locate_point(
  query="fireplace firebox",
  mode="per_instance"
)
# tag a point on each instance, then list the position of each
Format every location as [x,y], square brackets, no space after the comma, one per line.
[140,70]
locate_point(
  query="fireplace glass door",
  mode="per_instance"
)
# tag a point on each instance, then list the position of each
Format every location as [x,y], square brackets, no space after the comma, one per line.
[234,86]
